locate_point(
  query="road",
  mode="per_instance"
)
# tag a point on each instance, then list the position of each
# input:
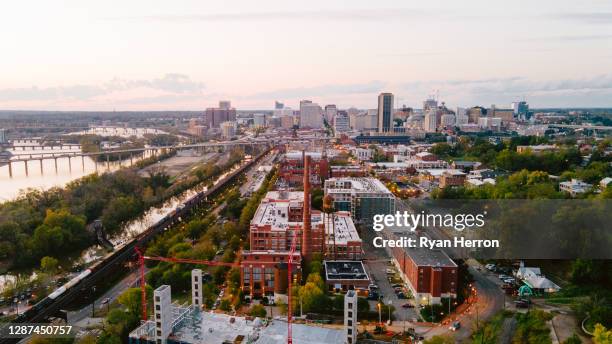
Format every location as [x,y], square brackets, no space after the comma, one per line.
[490,298]
[112,294]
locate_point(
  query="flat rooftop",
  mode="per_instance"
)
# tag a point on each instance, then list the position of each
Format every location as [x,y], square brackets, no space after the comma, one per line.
[345,270]
[355,185]
[344,227]
[423,256]
[274,211]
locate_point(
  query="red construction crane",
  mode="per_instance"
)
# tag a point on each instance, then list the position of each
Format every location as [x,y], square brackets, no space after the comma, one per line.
[142,258]
[289,296]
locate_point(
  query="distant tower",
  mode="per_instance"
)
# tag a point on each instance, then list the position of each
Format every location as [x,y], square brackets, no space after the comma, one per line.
[196,288]
[350,316]
[163,313]
[306,233]
[385,112]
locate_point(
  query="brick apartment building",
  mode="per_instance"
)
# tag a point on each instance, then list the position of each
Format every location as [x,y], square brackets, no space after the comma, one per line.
[430,274]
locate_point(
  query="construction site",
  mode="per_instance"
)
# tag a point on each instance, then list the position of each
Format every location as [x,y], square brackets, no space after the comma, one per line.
[284,234]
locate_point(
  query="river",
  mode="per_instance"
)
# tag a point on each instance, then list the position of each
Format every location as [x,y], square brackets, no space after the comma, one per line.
[66,171]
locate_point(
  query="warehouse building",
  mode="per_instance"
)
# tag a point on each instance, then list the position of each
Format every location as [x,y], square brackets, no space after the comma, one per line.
[430,274]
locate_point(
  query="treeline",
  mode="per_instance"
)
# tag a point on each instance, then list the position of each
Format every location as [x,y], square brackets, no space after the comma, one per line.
[505,157]
[53,222]
[205,237]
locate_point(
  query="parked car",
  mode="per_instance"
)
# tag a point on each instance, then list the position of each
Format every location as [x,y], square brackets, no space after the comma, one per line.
[407,305]
[521,304]
[401,295]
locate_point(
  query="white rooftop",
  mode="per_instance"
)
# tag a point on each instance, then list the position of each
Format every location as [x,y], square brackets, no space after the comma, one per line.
[355,185]
[344,228]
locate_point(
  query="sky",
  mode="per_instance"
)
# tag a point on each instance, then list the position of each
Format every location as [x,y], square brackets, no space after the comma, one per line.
[187,55]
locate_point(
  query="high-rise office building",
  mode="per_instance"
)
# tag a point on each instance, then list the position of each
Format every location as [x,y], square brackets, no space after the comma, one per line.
[461,116]
[228,130]
[520,108]
[341,122]
[330,112]
[213,117]
[385,112]
[429,104]
[430,123]
[311,115]
[278,105]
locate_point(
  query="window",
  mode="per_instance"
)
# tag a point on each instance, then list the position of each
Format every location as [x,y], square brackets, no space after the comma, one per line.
[195,287]
[197,302]
[350,305]
[159,334]
[158,324]
[196,294]
[350,314]
[350,331]
[196,278]
[157,316]
[350,323]
[157,299]
[157,307]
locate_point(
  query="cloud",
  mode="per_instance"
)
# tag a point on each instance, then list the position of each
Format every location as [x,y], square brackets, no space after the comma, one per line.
[568,38]
[593,91]
[170,83]
[370,14]
[322,90]
[587,18]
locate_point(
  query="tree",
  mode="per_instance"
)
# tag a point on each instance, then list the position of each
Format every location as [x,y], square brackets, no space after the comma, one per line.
[225,305]
[258,311]
[49,265]
[131,300]
[601,335]
[574,339]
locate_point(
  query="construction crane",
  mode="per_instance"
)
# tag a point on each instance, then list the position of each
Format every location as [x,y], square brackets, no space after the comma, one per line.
[289,292]
[141,261]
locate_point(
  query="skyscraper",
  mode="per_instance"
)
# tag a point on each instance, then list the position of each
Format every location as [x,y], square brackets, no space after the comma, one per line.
[385,112]
[311,115]
[430,124]
[330,112]
[213,117]
[341,122]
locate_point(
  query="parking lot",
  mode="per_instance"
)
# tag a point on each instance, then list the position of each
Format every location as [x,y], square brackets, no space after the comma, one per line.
[377,262]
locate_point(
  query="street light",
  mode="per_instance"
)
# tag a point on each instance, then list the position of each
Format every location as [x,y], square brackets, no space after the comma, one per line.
[389,306]
[379,313]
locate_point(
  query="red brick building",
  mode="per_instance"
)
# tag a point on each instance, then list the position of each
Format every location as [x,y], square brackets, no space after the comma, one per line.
[265,273]
[430,274]
[291,169]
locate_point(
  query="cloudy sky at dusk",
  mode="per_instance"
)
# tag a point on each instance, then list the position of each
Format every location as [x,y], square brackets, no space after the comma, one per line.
[186,55]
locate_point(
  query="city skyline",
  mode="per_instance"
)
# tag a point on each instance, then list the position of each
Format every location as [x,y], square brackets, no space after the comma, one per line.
[154,56]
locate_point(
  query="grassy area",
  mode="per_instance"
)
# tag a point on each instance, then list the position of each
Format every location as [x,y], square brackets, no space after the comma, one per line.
[489,331]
